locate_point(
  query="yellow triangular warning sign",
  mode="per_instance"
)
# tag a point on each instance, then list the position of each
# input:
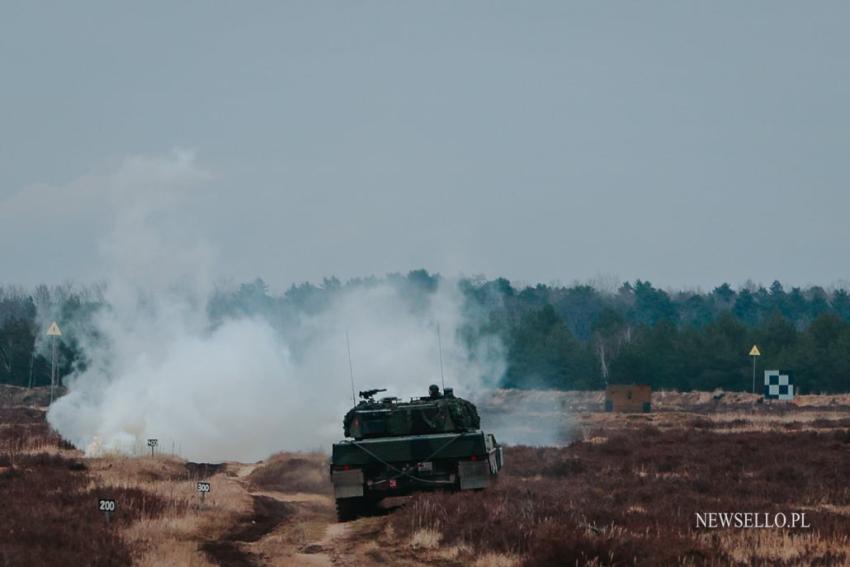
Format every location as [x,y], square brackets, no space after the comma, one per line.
[755,351]
[54,331]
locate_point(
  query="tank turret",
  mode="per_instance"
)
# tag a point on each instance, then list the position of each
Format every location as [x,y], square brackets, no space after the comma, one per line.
[388,417]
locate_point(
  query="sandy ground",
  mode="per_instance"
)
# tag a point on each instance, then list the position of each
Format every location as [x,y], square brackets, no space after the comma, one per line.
[304,531]
[243,524]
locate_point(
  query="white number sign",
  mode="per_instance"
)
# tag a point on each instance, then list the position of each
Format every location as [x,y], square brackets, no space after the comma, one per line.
[203,487]
[106,505]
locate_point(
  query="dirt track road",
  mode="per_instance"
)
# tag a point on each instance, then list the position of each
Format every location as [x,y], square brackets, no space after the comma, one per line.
[300,528]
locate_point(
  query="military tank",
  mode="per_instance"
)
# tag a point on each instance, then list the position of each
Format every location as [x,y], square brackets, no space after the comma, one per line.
[396,447]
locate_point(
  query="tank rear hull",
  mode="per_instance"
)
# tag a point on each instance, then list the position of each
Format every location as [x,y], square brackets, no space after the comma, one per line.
[392,466]
[409,448]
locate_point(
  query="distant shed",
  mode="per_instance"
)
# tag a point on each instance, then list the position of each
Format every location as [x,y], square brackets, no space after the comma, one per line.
[628,398]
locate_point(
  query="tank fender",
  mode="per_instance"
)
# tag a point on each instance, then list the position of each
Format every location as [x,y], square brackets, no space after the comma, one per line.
[494,452]
[347,484]
[495,460]
[473,474]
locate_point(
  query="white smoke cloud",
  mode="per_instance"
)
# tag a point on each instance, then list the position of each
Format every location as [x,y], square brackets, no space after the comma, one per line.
[247,386]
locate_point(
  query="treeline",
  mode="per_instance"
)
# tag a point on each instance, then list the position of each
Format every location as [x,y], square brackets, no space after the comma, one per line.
[25,352]
[575,337]
[581,338]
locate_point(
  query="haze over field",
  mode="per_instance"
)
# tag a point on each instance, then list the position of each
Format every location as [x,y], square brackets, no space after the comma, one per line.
[245,386]
[685,143]
[159,358]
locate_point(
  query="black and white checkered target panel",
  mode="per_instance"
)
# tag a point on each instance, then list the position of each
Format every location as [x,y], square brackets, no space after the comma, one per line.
[777,386]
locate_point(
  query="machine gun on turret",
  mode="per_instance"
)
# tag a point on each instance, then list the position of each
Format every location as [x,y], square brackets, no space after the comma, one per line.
[368,394]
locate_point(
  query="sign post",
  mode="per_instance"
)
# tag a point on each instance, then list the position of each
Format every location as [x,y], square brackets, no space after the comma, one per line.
[152,443]
[32,361]
[53,332]
[754,353]
[203,488]
[107,506]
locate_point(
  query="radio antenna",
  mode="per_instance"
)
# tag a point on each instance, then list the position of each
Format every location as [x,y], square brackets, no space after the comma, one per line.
[350,368]
[440,347]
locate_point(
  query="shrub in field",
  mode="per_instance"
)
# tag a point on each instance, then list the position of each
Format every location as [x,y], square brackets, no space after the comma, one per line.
[633,498]
[543,461]
[822,423]
[11,444]
[50,515]
[293,472]
[555,545]
[843,436]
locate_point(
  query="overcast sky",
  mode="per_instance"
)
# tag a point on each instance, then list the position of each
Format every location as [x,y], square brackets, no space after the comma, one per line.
[688,143]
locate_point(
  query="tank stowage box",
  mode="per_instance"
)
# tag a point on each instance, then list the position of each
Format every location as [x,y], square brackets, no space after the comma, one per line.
[394,448]
[628,398]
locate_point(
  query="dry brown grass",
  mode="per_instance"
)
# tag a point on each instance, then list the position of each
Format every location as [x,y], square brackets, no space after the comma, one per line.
[292,472]
[184,524]
[425,539]
[158,522]
[778,547]
[18,396]
[160,519]
[172,552]
[497,560]
[633,498]
[625,493]
[49,496]
[50,515]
